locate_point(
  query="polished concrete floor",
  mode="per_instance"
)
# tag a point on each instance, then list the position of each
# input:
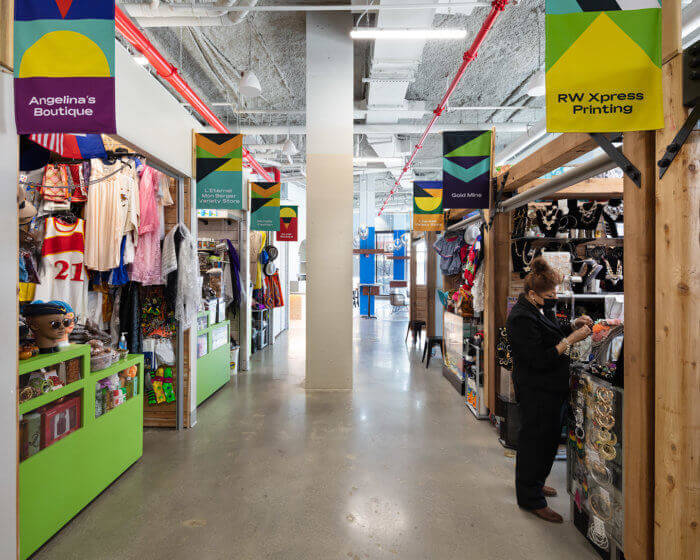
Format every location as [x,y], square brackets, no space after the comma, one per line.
[397,468]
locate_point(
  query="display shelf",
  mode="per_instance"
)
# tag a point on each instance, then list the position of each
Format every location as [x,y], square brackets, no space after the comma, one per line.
[88,459]
[81,351]
[46,360]
[47,398]
[601,295]
[590,240]
[116,367]
[214,367]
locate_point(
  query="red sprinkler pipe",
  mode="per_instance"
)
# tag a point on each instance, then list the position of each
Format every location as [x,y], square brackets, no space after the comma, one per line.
[497,6]
[277,176]
[169,73]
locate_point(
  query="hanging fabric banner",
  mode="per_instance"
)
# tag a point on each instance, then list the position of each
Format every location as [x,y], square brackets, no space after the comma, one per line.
[289,223]
[64,66]
[427,206]
[219,171]
[603,68]
[265,206]
[466,169]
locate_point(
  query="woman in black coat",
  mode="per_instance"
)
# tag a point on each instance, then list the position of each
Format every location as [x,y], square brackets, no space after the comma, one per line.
[539,347]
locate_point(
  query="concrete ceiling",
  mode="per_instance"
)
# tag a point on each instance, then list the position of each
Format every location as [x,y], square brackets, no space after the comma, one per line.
[211,58]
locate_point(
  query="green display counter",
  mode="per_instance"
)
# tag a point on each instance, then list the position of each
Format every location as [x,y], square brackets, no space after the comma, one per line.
[61,479]
[213,359]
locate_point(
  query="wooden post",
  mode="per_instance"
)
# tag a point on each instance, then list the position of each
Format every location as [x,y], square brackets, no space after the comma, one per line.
[638,437]
[431,283]
[677,415]
[496,289]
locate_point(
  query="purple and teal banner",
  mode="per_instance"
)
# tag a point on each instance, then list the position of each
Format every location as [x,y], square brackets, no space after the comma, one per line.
[64,66]
[466,169]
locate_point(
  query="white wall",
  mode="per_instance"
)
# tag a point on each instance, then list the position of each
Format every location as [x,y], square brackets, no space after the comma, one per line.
[150,118]
[8,327]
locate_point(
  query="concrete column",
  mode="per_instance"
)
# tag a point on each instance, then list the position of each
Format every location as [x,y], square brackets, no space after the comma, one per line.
[8,326]
[329,192]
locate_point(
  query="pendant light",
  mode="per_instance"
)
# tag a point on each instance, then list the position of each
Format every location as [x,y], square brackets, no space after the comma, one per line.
[249,85]
[288,147]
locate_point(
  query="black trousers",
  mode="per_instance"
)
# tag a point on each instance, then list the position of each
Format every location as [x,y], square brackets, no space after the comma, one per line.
[541,419]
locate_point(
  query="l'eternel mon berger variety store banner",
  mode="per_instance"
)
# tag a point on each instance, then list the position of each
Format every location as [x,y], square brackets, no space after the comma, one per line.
[603,68]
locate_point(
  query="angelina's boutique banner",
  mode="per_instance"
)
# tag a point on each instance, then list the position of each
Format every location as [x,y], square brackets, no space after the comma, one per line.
[427,206]
[64,66]
[466,169]
[603,68]
[265,206]
[219,171]
[289,223]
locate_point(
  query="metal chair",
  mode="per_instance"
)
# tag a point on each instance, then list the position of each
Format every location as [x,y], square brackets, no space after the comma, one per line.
[398,302]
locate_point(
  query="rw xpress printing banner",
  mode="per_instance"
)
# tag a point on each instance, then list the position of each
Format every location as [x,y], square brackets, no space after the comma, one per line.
[64,66]
[466,169]
[603,65]
[265,206]
[427,206]
[219,171]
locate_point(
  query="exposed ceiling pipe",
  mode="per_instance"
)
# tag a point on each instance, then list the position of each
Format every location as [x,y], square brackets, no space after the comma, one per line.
[389,128]
[531,136]
[169,73]
[497,6]
[248,6]
[586,170]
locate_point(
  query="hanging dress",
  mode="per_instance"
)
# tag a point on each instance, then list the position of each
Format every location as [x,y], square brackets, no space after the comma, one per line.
[146,267]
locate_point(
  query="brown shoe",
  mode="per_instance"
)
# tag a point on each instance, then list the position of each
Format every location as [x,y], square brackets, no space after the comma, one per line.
[549,491]
[548,514]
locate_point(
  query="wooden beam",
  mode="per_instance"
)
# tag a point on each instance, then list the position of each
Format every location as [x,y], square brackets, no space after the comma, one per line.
[597,188]
[496,289]
[638,411]
[6,33]
[560,151]
[677,415]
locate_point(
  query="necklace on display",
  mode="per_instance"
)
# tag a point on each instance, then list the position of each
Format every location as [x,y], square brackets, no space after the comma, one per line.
[613,212]
[588,216]
[550,221]
[614,278]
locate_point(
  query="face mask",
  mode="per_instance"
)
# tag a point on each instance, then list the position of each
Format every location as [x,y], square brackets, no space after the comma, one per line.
[549,303]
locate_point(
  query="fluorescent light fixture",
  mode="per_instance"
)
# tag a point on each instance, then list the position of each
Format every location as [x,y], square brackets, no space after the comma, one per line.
[141,60]
[536,86]
[377,33]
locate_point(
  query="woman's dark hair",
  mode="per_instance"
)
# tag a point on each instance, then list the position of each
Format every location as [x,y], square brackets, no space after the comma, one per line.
[541,277]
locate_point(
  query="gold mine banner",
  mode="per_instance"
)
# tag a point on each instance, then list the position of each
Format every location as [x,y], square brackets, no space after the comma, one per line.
[603,65]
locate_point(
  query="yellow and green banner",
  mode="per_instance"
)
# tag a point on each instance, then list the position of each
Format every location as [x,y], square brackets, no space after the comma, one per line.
[427,206]
[265,206]
[219,171]
[603,65]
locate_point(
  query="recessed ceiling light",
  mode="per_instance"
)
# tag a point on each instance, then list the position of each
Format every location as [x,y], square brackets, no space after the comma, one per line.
[377,33]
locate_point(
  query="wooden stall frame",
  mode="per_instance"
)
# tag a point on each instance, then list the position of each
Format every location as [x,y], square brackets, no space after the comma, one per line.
[677,317]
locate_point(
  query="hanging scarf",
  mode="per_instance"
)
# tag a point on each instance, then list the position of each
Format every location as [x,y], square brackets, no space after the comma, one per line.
[235,276]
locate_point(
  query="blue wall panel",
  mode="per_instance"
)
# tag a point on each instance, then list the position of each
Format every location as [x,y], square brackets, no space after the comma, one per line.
[367,273]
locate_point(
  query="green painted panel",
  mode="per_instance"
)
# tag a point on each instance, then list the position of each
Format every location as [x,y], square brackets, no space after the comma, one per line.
[46,360]
[214,368]
[59,481]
